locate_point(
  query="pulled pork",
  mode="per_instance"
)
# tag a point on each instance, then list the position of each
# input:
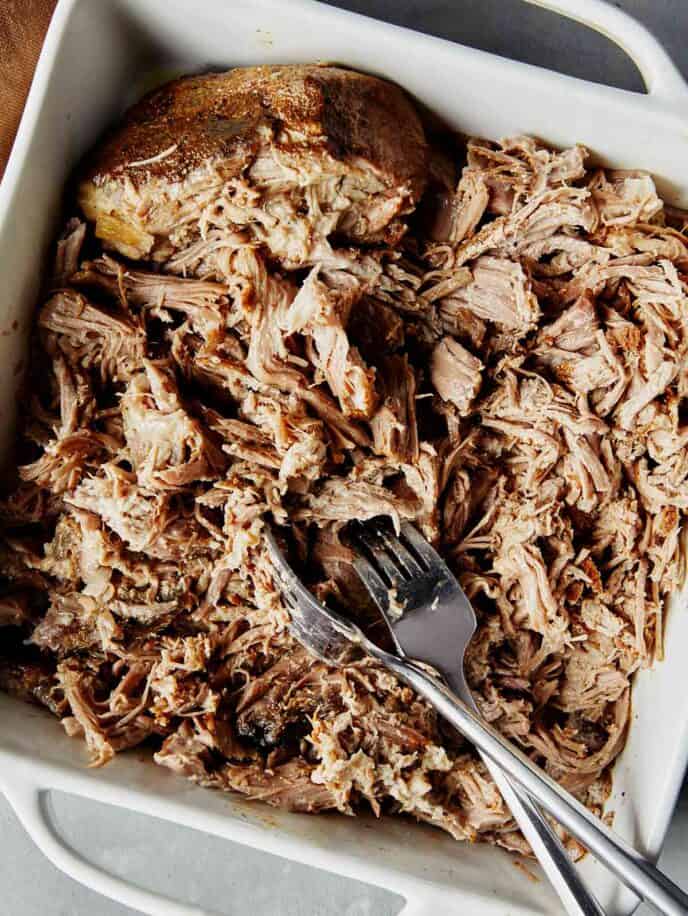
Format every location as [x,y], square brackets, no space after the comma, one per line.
[516,388]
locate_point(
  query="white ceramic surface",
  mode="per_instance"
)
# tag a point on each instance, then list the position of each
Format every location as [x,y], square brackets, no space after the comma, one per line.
[97,57]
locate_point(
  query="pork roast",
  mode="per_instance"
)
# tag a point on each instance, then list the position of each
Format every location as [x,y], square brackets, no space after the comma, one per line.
[286,156]
[513,382]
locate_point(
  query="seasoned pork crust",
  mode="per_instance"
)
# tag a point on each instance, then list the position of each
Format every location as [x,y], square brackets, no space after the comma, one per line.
[286,155]
[514,383]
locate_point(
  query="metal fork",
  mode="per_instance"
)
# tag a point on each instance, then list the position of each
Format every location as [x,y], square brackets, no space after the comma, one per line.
[336,640]
[439,634]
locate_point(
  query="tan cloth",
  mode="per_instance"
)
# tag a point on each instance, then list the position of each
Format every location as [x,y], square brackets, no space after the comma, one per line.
[23,24]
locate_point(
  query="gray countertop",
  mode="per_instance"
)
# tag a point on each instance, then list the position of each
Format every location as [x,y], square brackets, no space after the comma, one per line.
[223,876]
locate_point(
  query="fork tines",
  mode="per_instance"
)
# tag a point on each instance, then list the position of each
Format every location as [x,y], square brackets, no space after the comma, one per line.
[387,562]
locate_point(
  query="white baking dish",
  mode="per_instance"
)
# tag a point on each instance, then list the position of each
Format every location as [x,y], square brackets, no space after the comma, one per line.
[97,57]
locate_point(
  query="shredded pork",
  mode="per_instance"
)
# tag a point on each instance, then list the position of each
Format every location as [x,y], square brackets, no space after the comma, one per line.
[516,388]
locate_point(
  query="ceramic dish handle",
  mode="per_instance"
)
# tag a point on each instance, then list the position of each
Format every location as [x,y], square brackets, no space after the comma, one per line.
[662,77]
[28,803]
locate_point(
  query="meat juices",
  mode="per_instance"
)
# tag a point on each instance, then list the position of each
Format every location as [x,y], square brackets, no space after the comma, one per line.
[291,344]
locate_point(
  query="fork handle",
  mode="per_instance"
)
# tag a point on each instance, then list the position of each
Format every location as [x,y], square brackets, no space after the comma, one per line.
[629,866]
[555,861]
